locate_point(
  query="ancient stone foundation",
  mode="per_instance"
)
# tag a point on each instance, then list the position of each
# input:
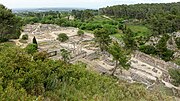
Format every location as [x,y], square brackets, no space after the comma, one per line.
[162,65]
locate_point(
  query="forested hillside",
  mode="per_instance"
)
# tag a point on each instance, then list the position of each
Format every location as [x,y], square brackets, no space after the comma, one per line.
[141,11]
[163,17]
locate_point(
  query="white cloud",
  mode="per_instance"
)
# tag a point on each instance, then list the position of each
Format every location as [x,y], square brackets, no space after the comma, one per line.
[73,3]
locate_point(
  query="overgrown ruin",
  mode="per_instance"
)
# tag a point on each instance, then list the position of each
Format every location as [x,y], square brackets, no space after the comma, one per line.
[144,68]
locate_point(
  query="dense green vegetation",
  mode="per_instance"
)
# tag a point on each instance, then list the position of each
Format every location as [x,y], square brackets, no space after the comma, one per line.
[163,52]
[31,48]
[148,49]
[131,26]
[102,38]
[146,20]
[160,49]
[120,57]
[10,25]
[162,17]
[26,74]
[83,19]
[62,37]
[129,39]
[23,78]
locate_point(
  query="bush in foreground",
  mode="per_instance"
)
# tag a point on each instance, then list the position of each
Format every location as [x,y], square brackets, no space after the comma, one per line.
[31,48]
[24,79]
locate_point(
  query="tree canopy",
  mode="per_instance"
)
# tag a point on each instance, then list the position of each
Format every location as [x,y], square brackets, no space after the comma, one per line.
[102,38]
[120,57]
[10,25]
[162,17]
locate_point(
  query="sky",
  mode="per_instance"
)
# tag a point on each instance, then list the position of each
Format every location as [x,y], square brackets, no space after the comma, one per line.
[94,4]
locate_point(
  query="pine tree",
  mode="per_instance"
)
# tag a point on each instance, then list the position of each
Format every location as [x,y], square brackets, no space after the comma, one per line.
[34,40]
[119,56]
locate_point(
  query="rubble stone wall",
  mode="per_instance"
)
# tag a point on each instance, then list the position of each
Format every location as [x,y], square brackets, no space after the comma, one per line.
[165,66]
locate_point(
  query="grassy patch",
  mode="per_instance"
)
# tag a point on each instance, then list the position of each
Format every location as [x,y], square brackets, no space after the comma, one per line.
[140,30]
[9,43]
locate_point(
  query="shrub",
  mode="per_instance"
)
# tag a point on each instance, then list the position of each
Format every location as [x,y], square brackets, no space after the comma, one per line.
[80,33]
[62,37]
[120,26]
[167,55]
[31,48]
[148,49]
[25,37]
[3,39]
[110,28]
[161,45]
[175,75]
[40,55]
[53,80]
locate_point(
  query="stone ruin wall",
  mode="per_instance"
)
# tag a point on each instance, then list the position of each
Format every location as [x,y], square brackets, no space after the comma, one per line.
[162,65]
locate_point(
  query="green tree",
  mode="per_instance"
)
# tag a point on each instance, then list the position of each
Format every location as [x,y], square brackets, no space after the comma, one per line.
[161,47]
[129,39]
[119,56]
[102,38]
[110,28]
[62,37]
[65,55]
[10,25]
[162,44]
